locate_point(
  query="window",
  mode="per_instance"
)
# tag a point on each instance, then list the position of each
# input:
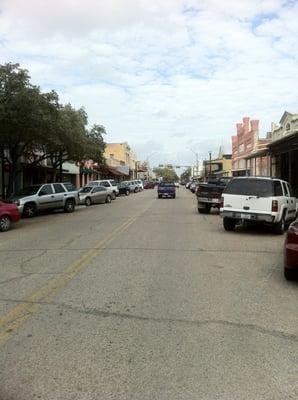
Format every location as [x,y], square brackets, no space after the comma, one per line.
[288,126]
[100,189]
[250,187]
[285,189]
[46,189]
[277,189]
[58,188]
[241,148]
[105,184]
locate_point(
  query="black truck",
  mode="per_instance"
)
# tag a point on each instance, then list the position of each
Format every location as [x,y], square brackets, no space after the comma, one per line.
[209,194]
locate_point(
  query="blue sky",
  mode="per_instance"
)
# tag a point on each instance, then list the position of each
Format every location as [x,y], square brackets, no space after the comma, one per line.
[164,76]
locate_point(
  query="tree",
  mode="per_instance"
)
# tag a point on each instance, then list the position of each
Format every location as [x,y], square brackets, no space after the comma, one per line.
[25,117]
[167,174]
[185,176]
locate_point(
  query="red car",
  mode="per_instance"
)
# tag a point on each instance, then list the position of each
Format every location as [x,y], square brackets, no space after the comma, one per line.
[291,252]
[149,185]
[8,213]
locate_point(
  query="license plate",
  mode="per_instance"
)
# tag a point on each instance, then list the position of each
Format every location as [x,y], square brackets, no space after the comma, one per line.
[245,216]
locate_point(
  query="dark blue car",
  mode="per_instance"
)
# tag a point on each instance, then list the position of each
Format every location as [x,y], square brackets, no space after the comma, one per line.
[166,189]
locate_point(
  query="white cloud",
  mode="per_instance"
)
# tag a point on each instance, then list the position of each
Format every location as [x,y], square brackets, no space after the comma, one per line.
[148,70]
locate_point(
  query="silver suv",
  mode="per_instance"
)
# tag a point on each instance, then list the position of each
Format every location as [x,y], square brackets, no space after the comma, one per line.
[48,196]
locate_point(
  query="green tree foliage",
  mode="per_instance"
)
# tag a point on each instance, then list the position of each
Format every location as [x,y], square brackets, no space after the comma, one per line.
[185,176]
[167,174]
[35,127]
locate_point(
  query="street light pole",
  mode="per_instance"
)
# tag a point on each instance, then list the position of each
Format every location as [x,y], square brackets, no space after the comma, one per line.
[210,165]
[197,161]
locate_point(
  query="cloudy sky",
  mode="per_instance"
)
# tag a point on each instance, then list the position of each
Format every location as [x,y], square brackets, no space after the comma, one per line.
[166,76]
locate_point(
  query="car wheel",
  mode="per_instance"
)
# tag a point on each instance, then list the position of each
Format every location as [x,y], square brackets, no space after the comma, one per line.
[229,223]
[174,196]
[127,193]
[280,227]
[201,211]
[159,196]
[29,210]
[88,202]
[290,274]
[136,190]
[69,206]
[108,199]
[5,223]
[113,197]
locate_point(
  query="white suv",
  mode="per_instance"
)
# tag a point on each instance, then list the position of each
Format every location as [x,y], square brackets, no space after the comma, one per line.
[254,199]
[109,184]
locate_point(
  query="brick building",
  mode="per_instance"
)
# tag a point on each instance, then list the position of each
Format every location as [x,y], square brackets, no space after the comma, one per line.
[246,146]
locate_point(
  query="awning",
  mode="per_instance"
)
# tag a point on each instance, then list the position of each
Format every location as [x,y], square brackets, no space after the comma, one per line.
[116,172]
[256,154]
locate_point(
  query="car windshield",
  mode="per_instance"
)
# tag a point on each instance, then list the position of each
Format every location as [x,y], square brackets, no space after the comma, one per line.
[28,191]
[86,189]
[250,187]
[113,183]
[166,184]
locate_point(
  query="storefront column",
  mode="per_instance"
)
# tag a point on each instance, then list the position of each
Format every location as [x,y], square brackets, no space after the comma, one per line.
[78,183]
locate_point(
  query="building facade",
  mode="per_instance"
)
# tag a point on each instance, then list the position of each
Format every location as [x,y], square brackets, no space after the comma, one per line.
[246,146]
[121,157]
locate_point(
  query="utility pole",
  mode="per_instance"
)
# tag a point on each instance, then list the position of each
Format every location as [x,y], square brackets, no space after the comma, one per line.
[197,161]
[210,165]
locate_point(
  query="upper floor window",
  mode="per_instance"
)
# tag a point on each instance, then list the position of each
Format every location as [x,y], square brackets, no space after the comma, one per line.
[288,126]
[241,148]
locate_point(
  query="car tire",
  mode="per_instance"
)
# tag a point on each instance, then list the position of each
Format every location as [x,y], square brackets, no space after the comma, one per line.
[113,196]
[279,227]
[108,199]
[290,274]
[69,206]
[127,192]
[229,223]
[207,208]
[88,201]
[174,196]
[5,223]
[159,196]
[136,190]
[29,210]
[201,211]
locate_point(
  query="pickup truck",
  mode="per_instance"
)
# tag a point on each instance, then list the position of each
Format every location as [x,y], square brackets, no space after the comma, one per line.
[166,189]
[209,195]
[258,200]
[48,196]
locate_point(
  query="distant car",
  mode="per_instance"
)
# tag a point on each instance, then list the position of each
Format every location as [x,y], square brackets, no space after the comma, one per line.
[187,186]
[89,195]
[291,252]
[109,184]
[177,184]
[48,196]
[8,213]
[149,185]
[124,188]
[193,187]
[166,189]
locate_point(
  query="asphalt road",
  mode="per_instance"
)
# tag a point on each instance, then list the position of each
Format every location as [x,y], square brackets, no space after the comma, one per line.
[145,299]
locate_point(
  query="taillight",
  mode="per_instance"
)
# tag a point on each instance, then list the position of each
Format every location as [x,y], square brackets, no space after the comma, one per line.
[222,200]
[274,207]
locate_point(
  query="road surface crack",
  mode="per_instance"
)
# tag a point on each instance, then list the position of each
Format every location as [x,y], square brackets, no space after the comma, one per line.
[198,323]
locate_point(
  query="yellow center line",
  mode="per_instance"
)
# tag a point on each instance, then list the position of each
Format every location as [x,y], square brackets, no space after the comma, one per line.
[16,317]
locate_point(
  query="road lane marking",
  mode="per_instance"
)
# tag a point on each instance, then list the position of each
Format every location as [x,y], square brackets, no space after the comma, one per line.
[18,315]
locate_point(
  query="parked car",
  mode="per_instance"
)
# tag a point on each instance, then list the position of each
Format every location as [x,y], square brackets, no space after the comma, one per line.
[166,189]
[133,185]
[209,195]
[124,188]
[109,184]
[149,185]
[193,187]
[177,184]
[291,252]
[8,213]
[49,196]
[89,195]
[188,185]
[258,200]
[140,184]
